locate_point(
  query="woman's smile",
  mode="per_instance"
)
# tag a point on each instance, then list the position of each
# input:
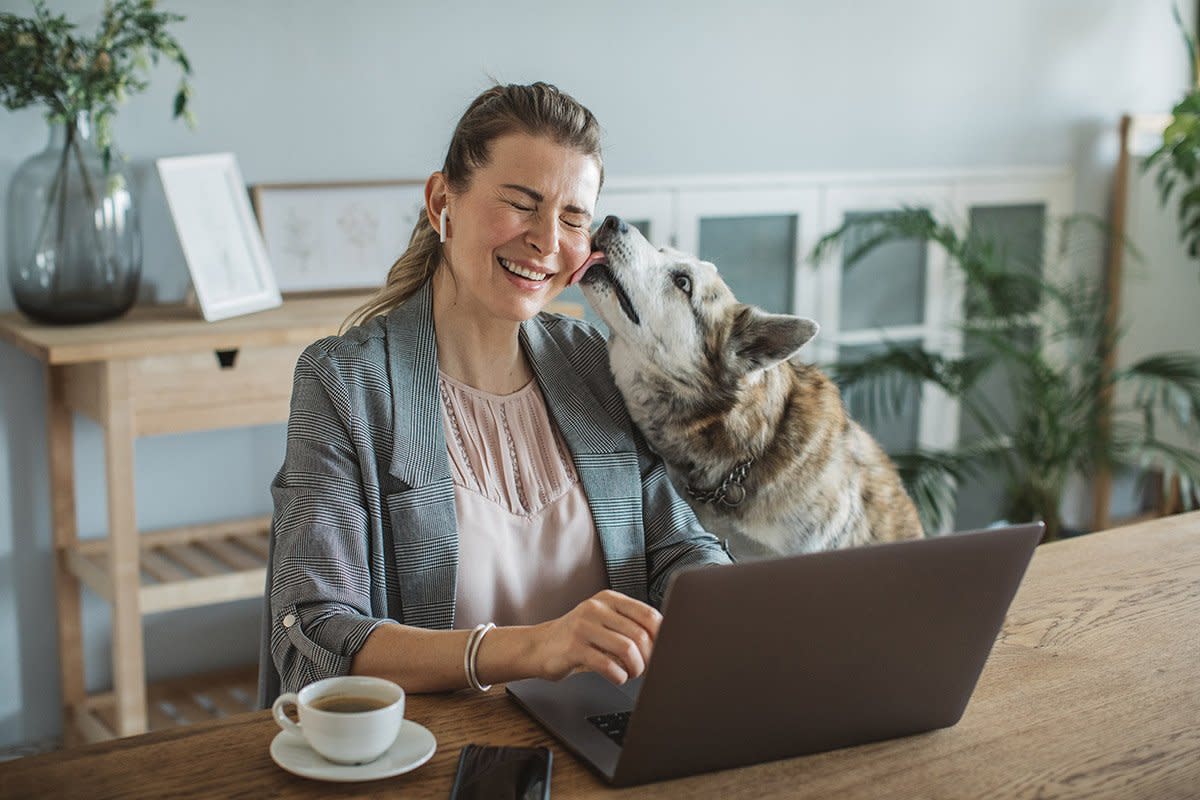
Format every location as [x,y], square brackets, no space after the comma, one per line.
[529,273]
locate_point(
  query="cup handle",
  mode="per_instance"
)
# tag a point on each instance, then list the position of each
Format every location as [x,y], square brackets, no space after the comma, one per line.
[282,718]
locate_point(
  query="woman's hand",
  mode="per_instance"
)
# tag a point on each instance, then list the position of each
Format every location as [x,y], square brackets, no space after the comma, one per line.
[609,633]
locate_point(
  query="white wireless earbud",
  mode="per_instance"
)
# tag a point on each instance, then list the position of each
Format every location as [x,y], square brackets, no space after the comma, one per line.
[442,225]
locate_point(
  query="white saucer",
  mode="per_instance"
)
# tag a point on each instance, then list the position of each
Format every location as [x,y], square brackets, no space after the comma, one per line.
[413,747]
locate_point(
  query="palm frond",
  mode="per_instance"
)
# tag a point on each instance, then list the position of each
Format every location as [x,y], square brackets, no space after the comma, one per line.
[878,385]
[1173,461]
[932,477]
[931,480]
[1189,41]
[864,233]
[1167,382]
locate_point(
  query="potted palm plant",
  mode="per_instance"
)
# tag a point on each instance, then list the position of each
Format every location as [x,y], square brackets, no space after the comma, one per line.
[1049,337]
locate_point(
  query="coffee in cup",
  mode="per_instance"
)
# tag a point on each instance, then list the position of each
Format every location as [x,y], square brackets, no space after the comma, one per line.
[351,719]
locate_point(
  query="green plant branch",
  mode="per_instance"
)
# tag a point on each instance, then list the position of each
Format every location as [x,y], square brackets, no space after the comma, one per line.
[60,248]
[91,195]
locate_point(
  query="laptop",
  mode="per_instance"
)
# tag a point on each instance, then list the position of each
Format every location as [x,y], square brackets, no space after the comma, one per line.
[772,659]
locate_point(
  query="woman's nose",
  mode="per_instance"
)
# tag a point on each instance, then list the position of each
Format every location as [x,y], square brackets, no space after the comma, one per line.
[543,236]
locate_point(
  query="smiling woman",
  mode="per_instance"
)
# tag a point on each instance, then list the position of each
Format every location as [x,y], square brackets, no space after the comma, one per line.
[461,460]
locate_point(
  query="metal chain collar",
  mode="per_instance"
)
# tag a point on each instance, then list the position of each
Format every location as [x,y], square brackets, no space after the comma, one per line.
[729,494]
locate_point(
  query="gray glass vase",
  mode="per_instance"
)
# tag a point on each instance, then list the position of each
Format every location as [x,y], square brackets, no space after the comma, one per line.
[74,242]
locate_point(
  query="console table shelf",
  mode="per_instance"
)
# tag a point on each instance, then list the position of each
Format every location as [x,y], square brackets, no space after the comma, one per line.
[186,567]
[176,702]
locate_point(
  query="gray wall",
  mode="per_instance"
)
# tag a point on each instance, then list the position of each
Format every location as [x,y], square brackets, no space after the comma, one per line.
[369,89]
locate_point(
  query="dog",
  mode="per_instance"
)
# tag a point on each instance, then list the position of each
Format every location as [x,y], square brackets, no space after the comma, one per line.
[758,443]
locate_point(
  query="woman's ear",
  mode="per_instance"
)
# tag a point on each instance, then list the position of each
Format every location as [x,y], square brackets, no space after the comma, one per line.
[437,203]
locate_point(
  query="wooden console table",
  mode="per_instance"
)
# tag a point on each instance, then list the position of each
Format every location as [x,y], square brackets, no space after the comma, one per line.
[157,370]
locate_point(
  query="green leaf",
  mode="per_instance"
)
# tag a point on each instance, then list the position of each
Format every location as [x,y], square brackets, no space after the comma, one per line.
[1190,43]
[1167,383]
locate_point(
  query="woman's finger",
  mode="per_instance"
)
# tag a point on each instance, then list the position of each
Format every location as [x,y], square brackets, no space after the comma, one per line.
[605,665]
[618,646]
[631,630]
[642,613]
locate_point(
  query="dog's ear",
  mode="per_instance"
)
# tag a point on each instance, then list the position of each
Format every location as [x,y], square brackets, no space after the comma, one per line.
[758,339]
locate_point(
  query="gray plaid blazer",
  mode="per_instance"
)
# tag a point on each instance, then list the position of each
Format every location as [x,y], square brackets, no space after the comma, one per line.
[364,530]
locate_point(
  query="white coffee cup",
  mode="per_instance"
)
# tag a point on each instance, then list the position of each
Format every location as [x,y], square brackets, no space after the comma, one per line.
[341,736]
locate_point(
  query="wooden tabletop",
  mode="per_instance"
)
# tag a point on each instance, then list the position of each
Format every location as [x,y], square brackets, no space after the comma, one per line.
[1092,691]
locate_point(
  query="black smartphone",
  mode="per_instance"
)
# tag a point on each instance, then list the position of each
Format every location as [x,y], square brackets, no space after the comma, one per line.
[500,773]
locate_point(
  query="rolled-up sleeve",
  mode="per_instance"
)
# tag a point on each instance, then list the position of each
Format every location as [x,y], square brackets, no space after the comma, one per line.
[320,586]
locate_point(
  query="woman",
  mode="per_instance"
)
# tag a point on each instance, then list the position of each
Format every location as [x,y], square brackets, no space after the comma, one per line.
[459,459]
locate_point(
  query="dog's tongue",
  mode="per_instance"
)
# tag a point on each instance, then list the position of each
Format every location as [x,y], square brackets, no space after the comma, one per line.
[595,258]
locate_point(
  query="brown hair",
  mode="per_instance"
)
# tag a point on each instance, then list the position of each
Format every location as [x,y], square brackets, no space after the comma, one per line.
[538,109]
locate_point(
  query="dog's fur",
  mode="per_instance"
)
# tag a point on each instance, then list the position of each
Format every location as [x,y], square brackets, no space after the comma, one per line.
[713,383]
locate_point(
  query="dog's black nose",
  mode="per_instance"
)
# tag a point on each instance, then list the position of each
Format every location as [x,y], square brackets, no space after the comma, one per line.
[614,224]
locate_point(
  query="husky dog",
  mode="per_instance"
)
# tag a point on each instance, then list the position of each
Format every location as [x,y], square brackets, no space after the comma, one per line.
[759,443]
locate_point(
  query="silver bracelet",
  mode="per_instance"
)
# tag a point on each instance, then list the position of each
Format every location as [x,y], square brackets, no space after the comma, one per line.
[472,653]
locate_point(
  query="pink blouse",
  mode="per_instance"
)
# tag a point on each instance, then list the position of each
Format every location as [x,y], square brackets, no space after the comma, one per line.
[527,545]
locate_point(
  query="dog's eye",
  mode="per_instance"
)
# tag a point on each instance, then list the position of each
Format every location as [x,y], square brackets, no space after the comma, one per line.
[684,283]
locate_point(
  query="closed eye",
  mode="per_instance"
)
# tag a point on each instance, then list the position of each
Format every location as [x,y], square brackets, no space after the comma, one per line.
[683,282]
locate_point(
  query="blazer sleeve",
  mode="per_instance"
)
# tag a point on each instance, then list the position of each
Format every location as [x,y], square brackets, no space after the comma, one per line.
[320,582]
[674,537]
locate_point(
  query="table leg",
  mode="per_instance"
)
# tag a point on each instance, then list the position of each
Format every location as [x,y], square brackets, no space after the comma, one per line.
[128,657]
[61,449]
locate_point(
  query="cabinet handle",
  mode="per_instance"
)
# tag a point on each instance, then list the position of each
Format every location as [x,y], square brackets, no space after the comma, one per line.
[226,358]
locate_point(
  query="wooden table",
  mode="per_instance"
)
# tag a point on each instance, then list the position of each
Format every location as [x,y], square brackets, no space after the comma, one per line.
[1092,691]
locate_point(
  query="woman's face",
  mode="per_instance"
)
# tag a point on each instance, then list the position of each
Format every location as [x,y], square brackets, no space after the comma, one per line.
[522,227]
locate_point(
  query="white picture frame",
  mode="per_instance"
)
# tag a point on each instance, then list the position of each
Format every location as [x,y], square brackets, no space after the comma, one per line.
[342,235]
[221,243]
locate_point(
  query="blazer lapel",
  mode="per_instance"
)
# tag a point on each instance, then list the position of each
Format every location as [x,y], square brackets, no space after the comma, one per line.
[424,522]
[605,456]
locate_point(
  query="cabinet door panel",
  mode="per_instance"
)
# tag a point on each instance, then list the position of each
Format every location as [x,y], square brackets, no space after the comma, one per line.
[755,255]
[1019,233]
[886,287]
[757,239]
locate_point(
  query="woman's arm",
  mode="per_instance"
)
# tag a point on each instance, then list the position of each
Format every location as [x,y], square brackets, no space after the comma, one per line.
[319,582]
[609,633]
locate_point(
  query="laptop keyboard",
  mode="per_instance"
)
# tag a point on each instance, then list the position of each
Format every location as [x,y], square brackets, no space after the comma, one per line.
[612,725]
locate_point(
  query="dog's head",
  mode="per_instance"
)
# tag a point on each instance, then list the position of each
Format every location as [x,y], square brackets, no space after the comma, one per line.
[673,311]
